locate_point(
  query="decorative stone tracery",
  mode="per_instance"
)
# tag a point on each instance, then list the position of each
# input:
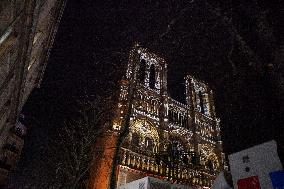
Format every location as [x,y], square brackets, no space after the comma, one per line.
[158,121]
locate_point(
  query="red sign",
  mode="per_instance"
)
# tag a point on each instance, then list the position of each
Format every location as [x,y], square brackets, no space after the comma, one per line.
[249,183]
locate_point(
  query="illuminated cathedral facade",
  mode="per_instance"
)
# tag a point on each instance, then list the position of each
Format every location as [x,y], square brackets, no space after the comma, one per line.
[162,137]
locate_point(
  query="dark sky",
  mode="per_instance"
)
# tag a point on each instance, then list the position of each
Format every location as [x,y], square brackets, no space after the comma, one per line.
[95,37]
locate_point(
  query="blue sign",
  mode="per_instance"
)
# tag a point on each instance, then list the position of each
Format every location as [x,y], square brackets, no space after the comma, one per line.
[277,179]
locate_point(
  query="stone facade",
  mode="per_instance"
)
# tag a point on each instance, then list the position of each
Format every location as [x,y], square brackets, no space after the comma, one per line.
[27,31]
[160,136]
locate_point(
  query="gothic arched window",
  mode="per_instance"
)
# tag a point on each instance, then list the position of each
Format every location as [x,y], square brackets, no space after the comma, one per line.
[142,69]
[201,102]
[210,165]
[149,144]
[175,117]
[152,78]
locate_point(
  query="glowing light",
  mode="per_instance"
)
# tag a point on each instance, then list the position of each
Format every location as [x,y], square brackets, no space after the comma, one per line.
[156,119]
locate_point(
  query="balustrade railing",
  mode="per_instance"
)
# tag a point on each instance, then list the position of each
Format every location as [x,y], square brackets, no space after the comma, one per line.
[173,171]
[204,118]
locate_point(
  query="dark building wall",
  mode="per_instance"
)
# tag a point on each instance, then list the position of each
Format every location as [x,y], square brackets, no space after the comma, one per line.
[27,29]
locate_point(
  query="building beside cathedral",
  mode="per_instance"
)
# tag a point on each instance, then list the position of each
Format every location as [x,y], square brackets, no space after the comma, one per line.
[154,135]
[27,31]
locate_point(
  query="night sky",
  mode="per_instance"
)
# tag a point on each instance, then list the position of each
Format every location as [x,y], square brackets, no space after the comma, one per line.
[94,38]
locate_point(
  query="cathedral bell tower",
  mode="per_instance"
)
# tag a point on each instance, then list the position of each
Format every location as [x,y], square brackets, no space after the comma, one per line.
[147,121]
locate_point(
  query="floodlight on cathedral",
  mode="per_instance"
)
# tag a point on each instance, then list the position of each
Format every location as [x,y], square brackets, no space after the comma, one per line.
[157,121]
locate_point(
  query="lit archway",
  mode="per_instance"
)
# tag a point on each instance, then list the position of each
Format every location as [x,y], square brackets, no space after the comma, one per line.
[147,134]
[209,157]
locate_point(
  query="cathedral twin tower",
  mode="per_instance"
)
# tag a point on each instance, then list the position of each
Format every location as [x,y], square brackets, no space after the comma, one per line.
[154,135]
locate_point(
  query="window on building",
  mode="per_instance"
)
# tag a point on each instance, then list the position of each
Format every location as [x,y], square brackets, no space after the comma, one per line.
[149,144]
[210,165]
[152,78]
[186,121]
[170,114]
[175,117]
[201,102]
[206,105]
[142,70]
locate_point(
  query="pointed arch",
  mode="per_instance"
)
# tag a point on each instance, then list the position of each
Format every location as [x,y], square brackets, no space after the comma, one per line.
[149,144]
[212,162]
[145,129]
[209,157]
[142,71]
[152,77]
[201,102]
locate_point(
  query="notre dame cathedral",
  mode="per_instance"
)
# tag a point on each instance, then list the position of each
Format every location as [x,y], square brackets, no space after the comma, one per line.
[155,135]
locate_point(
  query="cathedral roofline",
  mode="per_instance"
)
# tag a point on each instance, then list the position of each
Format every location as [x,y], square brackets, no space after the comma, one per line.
[188,76]
[149,53]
